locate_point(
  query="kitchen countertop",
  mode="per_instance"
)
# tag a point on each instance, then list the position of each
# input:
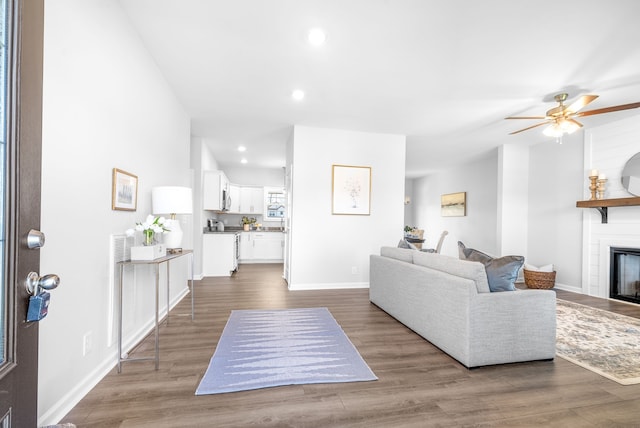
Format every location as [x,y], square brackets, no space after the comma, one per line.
[206,231]
[238,230]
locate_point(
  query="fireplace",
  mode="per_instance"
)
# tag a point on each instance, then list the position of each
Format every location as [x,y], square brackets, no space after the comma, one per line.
[625,274]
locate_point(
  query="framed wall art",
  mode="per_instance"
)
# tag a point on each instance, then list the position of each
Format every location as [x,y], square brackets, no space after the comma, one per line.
[124,191]
[453,204]
[350,190]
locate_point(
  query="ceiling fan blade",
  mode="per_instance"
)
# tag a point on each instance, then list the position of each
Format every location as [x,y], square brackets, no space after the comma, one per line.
[608,109]
[580,103]
[574,121]
[530,127]
[526,117]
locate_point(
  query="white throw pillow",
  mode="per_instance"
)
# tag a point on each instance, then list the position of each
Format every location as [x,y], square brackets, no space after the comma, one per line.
[545,268]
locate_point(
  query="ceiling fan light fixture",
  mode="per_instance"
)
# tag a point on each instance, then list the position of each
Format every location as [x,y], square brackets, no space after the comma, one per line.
[561,119]
[560,127]
[571,127]
[553,130]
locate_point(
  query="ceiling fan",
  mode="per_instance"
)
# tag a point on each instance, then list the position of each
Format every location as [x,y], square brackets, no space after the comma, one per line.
[561,119]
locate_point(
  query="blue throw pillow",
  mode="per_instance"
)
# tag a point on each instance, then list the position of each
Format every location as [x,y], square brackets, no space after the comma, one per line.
[502,272]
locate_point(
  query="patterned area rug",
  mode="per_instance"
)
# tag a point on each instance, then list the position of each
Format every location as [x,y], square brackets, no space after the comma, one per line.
[601,341]
[265,348]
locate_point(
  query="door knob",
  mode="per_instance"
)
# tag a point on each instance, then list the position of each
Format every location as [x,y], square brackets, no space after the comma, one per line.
[34,282]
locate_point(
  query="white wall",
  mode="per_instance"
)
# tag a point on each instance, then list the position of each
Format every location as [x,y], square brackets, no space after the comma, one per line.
[408,208]
[478,228]
[326,248]
[513,183]
[105,105]
[520,200]
[554,223]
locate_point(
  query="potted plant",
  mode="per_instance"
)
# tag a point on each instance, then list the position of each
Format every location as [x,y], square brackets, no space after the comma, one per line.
[149,228]
[409,230]
[247,222]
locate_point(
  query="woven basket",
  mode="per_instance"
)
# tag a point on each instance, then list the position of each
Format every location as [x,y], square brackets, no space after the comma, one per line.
[533,279]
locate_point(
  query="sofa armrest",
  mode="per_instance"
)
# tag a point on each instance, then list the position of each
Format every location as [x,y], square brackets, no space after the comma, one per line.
[513,326]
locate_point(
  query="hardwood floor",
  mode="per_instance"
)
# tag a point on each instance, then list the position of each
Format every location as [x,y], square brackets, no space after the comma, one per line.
[418,386]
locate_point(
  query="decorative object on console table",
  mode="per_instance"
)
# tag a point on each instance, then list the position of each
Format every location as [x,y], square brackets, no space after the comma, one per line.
[124,191]
[350,190]
[172,200]
[150,250]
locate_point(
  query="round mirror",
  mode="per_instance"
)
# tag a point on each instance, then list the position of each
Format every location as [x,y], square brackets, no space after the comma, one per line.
[631,175]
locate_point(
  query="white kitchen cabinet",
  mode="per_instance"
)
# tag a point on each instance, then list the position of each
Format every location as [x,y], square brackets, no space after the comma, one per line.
[246,247]
[219,254]
[214,190]
[251,200]
[234,195]
[261,247]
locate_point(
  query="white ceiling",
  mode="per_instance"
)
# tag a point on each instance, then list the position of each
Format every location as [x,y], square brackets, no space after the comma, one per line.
[444,73]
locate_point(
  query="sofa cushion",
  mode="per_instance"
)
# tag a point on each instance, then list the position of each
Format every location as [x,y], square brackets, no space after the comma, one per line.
[406,244]
[502,272]
[451,265]
[402,254]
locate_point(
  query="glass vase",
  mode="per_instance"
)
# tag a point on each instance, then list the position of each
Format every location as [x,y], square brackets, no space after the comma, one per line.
[149,238]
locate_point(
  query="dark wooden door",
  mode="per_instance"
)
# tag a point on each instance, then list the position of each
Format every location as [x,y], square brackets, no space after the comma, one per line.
[22,31]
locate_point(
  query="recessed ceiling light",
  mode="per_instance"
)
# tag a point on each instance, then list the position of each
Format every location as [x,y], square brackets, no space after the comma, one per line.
[243,160]
[317,36]
[297,95]
[242,149]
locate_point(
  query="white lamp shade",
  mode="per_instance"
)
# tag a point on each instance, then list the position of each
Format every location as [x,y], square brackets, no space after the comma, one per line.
[171,200]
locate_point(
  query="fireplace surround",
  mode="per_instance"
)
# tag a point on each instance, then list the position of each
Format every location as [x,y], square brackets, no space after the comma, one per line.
[624,274]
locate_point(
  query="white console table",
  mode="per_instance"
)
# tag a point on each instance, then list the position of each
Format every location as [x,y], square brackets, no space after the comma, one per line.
[156,263]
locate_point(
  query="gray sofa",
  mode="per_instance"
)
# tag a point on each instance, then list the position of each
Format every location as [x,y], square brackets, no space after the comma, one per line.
[447,301]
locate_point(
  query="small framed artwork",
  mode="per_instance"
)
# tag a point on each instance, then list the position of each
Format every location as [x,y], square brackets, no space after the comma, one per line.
[453,204]
[350,190]
[124,191]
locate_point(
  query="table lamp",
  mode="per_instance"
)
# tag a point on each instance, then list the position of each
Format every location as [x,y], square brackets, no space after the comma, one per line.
[172,200]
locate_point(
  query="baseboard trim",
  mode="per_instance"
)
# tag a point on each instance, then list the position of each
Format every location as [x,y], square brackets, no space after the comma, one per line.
[328,286]
[571,288]
[69,400]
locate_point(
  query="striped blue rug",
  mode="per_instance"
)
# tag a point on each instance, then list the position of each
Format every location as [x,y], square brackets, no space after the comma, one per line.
[265,348]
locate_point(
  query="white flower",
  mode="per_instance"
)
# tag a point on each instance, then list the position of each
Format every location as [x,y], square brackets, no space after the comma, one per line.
[150,225]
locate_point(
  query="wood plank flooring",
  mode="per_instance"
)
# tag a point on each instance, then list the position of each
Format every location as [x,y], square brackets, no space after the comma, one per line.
[418,386]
